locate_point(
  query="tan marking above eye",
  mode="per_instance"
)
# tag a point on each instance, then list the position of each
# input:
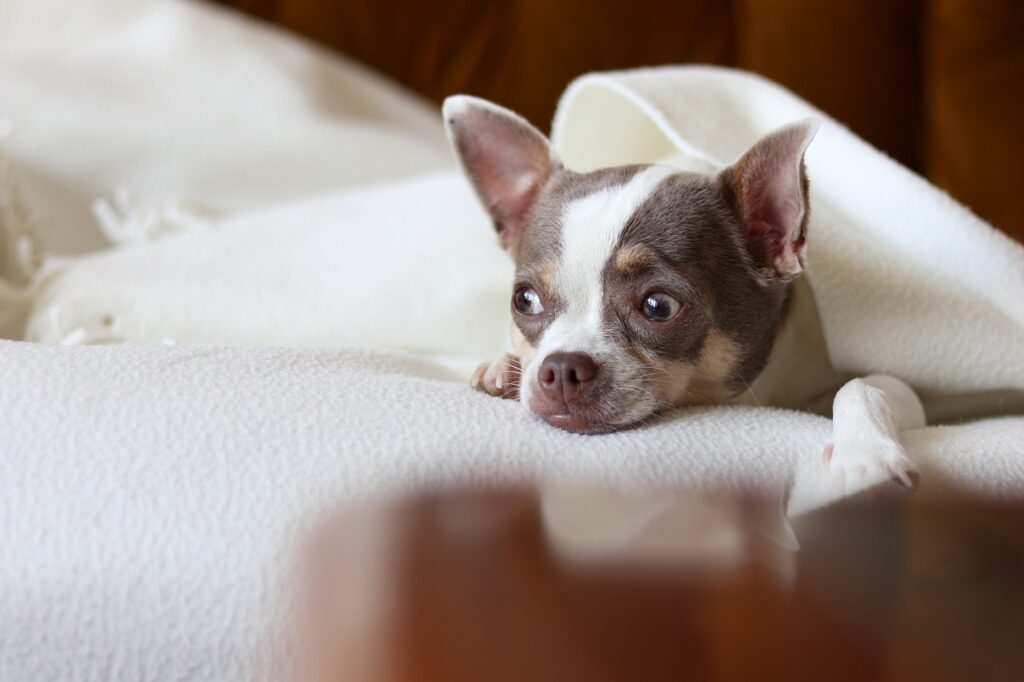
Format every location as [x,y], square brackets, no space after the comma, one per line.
[632,259]
[546,276]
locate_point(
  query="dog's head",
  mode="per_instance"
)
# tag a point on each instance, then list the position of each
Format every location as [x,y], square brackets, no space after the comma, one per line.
[638,287]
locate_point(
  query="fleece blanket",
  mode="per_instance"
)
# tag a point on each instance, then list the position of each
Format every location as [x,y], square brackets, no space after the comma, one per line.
[152,498]
[180,110]
[906,280]
[391,266]
[121,120]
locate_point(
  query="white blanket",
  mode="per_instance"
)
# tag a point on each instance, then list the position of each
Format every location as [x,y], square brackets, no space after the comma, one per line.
[151,497]
[121,120]
[410,265]
[183,101]
[907,281]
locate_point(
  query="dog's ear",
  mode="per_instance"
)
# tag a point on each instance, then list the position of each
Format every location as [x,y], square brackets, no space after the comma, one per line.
[768,188]
[506,159]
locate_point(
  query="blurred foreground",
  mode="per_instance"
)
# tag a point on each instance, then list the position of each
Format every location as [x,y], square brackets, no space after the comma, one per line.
[516,586]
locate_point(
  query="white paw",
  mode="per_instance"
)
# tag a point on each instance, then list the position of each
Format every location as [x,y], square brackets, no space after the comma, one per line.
[857,466]
[498,378]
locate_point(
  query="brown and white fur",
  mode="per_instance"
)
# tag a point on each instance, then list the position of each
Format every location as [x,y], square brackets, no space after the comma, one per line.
[641,288]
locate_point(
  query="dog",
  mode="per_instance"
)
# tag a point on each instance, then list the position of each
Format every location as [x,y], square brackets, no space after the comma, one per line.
[642,288]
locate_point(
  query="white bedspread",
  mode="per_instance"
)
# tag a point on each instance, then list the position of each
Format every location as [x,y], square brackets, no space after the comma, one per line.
[151,497]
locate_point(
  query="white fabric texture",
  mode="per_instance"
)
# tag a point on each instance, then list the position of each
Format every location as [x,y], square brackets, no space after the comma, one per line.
[151,497]
[124,120]
[409,265]
[183,100]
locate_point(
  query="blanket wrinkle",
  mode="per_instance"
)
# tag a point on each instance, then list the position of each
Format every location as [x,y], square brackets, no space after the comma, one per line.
[20,257]
[187,99]
[906,280]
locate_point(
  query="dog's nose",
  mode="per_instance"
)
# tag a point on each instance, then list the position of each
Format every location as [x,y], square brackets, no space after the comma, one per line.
[565,376]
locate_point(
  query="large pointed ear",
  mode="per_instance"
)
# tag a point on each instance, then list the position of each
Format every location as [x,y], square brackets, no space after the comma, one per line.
[768,186]
[506,159]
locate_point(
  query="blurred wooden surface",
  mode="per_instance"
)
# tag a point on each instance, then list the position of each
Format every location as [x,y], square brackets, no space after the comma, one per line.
[470,586]
[937,84]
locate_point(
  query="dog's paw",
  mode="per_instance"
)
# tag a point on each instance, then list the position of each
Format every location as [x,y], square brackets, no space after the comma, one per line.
[855,467]
[498,378]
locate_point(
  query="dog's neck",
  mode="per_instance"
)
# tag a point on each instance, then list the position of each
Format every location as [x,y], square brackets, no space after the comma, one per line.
[799,374]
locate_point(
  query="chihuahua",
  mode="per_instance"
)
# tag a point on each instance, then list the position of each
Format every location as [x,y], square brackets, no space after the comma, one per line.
[641,288]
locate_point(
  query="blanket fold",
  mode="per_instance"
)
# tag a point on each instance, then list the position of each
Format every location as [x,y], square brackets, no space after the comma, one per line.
[907,281]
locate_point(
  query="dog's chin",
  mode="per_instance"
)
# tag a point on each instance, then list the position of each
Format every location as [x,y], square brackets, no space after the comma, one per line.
[578,424]
[587,418]
[578,421]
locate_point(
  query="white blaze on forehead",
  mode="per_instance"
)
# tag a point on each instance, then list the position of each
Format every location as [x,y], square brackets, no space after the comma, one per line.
[591,227]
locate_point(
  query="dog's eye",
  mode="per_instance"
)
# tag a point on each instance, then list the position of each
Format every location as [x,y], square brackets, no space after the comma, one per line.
[527,301]
[658,307]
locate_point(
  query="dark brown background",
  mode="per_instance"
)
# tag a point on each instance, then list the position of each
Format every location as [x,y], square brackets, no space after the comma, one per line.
[937,84]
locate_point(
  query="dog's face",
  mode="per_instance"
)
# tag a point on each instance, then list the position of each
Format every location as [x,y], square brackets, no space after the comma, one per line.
[641,287]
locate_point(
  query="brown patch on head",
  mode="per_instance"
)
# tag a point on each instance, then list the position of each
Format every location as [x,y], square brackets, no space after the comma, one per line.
[538,254]
[542,241]
[632,259]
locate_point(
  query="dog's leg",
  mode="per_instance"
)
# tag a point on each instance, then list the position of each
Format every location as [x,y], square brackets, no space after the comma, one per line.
[498,378]
[867,417]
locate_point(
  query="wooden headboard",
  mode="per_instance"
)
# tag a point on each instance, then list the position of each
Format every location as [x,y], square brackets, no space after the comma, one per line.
[937,84]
